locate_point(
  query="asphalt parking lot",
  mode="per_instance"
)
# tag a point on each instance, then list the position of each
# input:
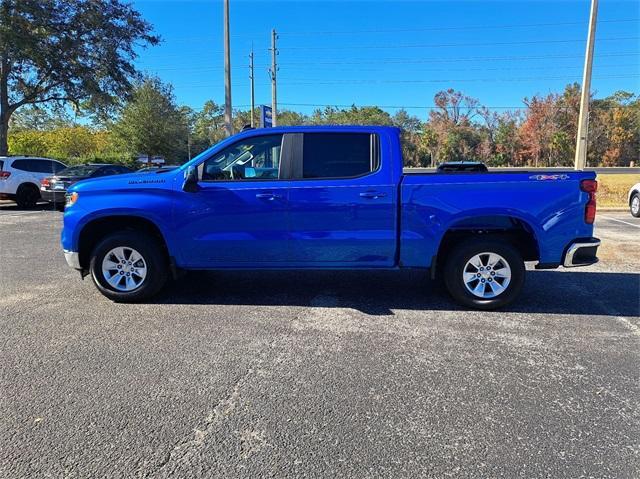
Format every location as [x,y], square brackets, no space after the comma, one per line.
[316,374]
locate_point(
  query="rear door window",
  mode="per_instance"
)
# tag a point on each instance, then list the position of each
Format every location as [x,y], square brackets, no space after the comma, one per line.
[22,165]
[38,165]
[338,155]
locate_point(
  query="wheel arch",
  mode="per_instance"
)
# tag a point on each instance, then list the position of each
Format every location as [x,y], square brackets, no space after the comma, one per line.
[513,229]
[96,229]
[28,184]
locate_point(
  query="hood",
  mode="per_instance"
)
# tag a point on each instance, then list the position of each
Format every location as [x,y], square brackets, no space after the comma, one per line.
[128,181]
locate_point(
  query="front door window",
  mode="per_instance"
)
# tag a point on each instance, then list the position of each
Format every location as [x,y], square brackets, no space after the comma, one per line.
[256,158]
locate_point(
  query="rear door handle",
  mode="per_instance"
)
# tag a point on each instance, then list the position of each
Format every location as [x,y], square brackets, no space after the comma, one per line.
[267,196]
[373,194]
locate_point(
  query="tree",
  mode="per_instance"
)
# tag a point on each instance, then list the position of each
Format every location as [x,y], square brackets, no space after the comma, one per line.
[208,126]
[454,107]
[30,117]
[356,115]
[66,51]
[507,139]
[151,123]
[457,136]
[538,129]
[428,142]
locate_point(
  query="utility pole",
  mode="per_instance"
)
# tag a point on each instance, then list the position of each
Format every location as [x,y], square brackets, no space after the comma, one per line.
[583,119]
[228,122]
[274,85]
[189,144]
[253,91]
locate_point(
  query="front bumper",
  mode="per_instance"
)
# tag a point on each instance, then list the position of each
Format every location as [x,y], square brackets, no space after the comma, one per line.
[73,259]
[581,252]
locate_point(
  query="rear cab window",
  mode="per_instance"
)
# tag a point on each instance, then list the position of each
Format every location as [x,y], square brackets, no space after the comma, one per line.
[339,155]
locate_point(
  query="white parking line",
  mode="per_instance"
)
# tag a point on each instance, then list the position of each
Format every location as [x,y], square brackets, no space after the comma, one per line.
[620,221]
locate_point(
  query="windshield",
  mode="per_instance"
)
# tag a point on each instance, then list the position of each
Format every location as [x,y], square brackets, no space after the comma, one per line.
[80,170]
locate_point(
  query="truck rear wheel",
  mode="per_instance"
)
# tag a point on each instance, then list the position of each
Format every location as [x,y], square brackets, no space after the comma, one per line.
[484,273]
[128,266]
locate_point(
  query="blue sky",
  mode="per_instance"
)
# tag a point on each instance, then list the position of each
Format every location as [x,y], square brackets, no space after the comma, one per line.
[391,53]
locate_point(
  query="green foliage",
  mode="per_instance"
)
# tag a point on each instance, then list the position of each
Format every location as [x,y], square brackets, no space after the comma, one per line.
[71,144]
[66,51]
[152,124]
[366,115]
[543,134]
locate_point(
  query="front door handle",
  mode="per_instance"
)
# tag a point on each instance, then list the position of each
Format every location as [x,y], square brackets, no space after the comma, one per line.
[267,196]
[373,194]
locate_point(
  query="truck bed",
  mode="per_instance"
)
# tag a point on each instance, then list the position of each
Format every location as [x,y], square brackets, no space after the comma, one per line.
[548,204]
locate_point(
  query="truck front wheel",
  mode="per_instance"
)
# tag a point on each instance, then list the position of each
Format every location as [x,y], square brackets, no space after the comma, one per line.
[484,273]
[128,266]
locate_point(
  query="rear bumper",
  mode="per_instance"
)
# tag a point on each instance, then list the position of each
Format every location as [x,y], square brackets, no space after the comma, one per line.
[73,259]
[581,252]
[53,196]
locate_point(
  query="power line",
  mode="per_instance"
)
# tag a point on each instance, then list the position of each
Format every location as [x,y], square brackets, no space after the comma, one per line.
[448,80]
[435,107]
[451,60]
[545,67]
[373,81]
[421,107]
[468,27]
[411,46]
[446,59]
[527,68]
[446,45]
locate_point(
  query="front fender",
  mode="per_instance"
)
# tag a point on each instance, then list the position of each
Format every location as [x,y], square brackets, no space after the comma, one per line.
[154,205]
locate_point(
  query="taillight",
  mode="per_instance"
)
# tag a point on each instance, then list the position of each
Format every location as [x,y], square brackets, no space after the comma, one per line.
[45,183]
[4,175]
[590,187]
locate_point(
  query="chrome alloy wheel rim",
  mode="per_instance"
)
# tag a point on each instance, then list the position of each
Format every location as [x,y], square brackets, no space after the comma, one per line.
[487,275]
[635,205]
[124,269]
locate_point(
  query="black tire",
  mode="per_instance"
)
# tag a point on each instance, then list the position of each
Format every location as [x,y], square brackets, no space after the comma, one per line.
[153,255]
[27,195]
[456,262]
[635,212]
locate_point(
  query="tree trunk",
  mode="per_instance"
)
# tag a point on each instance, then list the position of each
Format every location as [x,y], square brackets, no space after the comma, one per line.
[5,112]
[4,133]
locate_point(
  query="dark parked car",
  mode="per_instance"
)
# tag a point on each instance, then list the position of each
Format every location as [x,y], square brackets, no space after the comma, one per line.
[54,188]
[151,169]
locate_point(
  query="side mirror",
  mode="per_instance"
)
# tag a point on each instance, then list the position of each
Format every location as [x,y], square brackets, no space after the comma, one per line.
[190,184]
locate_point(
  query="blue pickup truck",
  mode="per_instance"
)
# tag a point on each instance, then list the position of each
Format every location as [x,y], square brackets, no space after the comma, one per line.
[331,197]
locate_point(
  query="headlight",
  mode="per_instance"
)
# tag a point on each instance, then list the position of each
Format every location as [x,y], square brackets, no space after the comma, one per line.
[71,198]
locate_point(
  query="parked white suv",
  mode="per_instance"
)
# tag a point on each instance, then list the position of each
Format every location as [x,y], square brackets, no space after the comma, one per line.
[20,178]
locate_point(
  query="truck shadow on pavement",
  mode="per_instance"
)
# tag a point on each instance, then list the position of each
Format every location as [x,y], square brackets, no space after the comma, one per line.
[379,293]
[11,207]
